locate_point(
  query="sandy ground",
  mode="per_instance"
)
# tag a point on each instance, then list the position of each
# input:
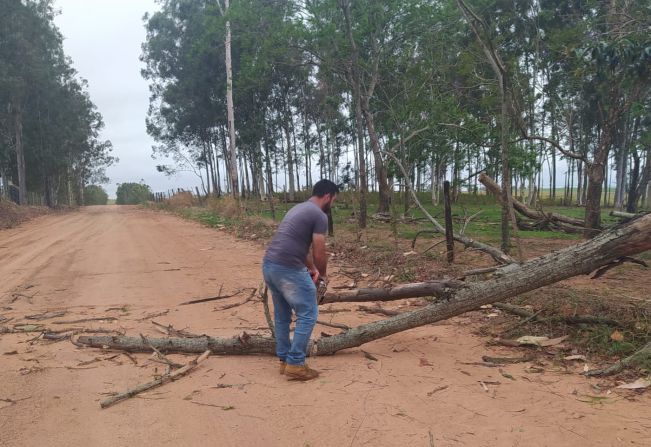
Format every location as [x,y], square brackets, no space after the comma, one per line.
[128,263]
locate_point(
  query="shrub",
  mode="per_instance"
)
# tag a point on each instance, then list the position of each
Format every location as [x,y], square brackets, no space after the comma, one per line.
[133,193]
[95,195]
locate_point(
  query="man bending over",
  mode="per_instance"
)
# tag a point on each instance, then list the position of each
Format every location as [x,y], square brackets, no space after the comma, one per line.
[291,273]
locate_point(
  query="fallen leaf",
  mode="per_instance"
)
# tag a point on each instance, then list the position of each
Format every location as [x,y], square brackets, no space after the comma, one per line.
[370,356]
[505,374]
[638,384]
[617,336]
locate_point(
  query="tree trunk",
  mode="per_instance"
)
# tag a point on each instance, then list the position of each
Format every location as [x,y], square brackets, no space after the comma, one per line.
[631,203]
[593,199]
[290,163]
[384,203]
[230,109]
[20,156]
[361,162]
[508,281]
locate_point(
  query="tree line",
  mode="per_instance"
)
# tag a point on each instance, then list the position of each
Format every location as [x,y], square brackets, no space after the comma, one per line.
[49,127]
[443,88]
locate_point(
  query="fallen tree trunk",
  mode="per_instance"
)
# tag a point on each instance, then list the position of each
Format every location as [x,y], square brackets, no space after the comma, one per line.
[443,289]
[523,209]
[507,281]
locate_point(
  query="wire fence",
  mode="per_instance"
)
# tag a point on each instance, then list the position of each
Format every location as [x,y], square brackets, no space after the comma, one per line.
[165,195]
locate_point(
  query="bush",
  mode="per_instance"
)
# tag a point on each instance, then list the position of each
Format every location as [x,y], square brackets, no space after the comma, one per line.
[95,195]
[133,193]
[182,199]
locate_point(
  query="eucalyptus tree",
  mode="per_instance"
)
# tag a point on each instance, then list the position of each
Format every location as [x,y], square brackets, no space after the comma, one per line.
[49,139]
[602,61]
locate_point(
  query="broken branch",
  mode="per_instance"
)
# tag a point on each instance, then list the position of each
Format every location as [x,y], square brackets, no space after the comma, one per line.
[155,383]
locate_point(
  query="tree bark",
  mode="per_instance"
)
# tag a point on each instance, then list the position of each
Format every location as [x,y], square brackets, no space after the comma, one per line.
[363,182]
[449,232]
[20,156]
[230,109]
[508,281]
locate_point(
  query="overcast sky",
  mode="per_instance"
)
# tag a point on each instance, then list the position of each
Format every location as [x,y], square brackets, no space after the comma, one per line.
[103,38]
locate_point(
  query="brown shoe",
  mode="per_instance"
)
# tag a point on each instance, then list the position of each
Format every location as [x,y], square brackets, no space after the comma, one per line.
[300,372]
[282,367]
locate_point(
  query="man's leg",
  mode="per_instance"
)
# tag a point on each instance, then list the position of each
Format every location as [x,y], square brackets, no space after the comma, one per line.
[282,312]
[300,292]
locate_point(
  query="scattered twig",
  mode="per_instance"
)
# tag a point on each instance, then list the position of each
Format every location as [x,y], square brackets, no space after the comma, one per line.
[213,298]
[640,357]
[161,356]
[153,315]
[434,245]
[413,242]
[155,383]
[230,306]
[600,272]
[506,360]
[369,356]
[267,313]
[467,220]
[477,272]
[46,315]
[333,311]
[171,331]
[532,317]
[573,319]
[377,310]
[83,320]
[334,325]
[437,389]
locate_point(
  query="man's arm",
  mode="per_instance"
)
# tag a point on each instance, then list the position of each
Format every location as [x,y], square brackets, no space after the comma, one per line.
[319,254]
[309,263]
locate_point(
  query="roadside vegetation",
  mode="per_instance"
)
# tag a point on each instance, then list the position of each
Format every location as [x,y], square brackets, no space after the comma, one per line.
[384,254]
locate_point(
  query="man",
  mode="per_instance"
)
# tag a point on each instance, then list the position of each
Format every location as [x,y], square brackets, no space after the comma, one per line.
[291,273]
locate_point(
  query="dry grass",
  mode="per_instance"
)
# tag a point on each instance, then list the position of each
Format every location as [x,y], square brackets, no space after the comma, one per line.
[12,215]
[182,199]
[227,207]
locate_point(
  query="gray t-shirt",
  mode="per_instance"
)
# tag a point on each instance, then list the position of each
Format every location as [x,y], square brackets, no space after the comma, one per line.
[292,241]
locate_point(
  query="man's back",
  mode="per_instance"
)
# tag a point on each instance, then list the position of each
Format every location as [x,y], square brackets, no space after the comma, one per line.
[291,243]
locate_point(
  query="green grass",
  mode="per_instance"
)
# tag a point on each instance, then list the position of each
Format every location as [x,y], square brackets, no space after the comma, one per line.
[485,225]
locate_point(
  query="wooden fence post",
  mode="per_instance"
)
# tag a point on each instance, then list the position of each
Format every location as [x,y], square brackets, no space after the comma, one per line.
[449,233]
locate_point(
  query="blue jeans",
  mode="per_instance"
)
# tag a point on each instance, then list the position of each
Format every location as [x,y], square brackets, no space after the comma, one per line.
[292,289]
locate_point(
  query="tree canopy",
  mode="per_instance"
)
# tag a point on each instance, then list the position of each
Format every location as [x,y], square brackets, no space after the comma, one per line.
[49,127]
[338,83]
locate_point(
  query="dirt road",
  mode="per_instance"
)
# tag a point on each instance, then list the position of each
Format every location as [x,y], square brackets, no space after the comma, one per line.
[126,264]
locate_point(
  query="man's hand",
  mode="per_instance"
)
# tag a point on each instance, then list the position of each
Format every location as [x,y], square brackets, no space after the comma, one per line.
[314,273]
